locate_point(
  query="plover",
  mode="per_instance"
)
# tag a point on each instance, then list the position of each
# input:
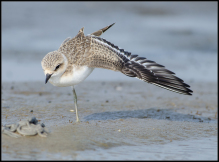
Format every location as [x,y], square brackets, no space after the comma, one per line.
[77,57]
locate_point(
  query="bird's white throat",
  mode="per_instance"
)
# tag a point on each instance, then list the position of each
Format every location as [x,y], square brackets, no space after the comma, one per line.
[77,76]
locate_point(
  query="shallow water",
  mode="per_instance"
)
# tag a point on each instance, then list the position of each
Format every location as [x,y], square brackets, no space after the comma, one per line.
[204,148]
[193,149]
[184,42]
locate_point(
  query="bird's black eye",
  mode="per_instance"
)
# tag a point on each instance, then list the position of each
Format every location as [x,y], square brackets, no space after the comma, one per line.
[57,67]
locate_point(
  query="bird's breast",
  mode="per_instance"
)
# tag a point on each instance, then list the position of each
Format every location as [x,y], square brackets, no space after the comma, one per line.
[76,76]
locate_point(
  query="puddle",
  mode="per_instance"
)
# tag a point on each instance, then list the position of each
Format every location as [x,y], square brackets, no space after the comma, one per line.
[193,149]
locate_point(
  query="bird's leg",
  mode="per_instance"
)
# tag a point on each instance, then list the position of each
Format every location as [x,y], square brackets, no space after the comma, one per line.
[75,101]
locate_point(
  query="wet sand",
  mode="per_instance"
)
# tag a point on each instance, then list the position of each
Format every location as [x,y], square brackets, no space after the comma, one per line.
[112,114]
[121,118]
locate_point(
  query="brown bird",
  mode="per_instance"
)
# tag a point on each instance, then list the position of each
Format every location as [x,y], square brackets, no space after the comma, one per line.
[77,57]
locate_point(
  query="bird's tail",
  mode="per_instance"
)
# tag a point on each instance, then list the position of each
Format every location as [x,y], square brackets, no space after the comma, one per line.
[101,31]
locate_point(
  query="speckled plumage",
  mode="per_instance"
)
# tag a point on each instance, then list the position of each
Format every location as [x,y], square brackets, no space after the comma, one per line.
[91,51]
[50,59]
[77,57]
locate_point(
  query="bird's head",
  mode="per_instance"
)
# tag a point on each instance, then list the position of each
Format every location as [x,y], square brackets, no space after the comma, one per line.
[54,65]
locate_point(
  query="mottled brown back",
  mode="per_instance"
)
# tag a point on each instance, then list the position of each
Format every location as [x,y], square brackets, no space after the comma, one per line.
[96,52]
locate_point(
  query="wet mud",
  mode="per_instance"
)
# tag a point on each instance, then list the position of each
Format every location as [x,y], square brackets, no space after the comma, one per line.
[112,114]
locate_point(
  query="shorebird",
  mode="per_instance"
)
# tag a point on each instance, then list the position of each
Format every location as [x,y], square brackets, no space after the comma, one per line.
[77,57]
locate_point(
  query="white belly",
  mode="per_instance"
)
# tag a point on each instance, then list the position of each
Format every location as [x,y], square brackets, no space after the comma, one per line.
[77,76]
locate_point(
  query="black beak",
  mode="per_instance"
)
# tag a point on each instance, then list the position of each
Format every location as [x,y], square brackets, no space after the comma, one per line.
[47,77]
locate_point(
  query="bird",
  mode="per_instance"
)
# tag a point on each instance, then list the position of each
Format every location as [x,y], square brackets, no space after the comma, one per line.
[77,57]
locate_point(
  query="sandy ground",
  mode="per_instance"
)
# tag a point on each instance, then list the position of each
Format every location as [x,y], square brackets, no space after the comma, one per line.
[111,113]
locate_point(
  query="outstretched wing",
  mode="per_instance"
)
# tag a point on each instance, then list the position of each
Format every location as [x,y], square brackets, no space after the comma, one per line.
[103,54]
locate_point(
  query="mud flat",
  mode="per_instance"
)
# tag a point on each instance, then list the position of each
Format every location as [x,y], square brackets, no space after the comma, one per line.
[113,115]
